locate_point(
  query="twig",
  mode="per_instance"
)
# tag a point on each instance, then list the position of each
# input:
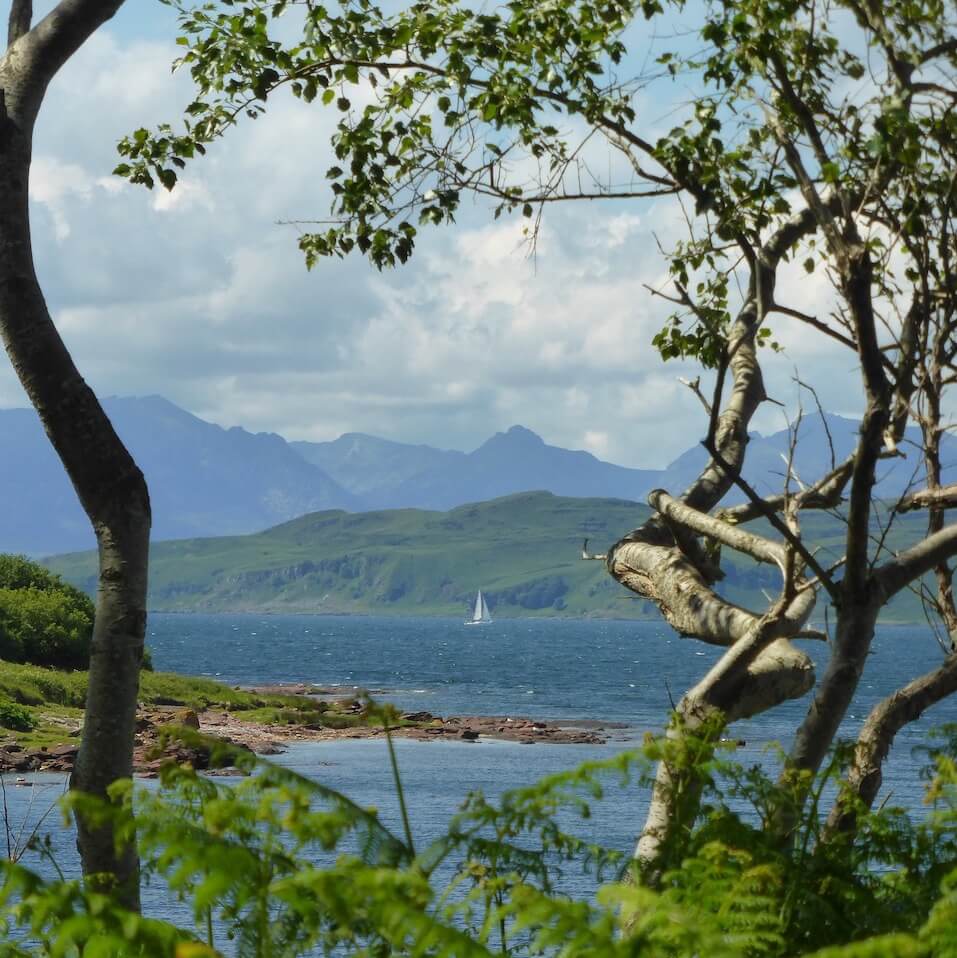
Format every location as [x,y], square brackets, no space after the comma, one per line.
[695,386]
[821,413]
[771,516]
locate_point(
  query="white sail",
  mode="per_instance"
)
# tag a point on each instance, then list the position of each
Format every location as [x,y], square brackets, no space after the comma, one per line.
[480,614]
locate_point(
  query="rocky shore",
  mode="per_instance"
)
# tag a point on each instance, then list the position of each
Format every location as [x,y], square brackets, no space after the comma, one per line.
[269,739]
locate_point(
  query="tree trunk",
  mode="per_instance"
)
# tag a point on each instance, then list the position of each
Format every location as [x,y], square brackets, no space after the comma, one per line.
[761,670]
[110,486]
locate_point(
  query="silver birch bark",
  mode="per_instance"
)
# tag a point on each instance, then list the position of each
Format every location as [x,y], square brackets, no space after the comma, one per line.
[110,486]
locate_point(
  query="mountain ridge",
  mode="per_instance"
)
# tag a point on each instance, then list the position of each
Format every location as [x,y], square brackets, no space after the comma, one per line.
[206,480]
[203,479]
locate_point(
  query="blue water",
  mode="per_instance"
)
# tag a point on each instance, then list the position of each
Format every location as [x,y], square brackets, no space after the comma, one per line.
[621,671]
[624,672]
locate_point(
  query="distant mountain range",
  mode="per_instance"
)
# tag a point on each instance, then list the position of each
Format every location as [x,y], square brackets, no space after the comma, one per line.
[203,480]
[390,475]
[208,481]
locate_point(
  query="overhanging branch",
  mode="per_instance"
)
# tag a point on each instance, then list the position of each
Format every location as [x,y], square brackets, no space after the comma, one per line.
[764,550]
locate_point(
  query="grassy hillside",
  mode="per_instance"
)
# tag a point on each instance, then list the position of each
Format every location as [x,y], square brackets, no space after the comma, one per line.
[523,551]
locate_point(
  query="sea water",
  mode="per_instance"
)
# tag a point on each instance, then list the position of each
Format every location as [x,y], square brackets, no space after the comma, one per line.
[623,672]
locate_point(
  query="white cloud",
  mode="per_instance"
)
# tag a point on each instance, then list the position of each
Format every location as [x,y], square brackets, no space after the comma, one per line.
[188,194]
[199,295]
[51,182]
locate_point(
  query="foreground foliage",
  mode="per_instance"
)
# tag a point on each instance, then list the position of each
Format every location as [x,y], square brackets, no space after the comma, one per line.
[279,865]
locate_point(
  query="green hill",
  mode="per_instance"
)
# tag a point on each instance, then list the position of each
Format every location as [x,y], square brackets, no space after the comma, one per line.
[523,551]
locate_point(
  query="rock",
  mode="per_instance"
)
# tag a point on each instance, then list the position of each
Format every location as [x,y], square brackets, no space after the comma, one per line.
[58,765]
[418,717]
[468,735]
[187,717]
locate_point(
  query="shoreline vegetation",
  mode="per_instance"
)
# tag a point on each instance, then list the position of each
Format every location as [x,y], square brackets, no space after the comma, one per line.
[41,711]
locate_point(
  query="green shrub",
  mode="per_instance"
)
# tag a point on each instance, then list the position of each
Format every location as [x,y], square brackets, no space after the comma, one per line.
[43,620]
[15,716]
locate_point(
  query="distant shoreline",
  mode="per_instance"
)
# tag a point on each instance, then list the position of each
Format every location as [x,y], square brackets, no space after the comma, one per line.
[815,623]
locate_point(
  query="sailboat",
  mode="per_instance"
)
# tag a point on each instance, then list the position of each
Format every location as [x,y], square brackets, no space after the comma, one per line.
[480,614]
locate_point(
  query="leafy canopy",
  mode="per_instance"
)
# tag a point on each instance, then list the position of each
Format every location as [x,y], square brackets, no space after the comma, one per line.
[848,103]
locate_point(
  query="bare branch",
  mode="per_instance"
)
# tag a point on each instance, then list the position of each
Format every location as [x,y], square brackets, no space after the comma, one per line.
[886,719]
[824,494]
[695,386]
[769,514]
[944,497]
[764,550]
[821,327]
[912,563]
[21,16]
[591,556]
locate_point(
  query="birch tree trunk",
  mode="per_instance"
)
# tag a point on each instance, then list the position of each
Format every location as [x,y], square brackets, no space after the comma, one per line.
[110,486]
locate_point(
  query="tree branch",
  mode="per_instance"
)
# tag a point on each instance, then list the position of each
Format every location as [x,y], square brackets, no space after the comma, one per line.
[759,672]
[62,32]
[824,494]
[772,517]
[912,563]
[21,16]
[944,497]
[764,550]
[877,735]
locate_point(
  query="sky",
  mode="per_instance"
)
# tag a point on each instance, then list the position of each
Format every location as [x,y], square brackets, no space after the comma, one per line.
[201,296]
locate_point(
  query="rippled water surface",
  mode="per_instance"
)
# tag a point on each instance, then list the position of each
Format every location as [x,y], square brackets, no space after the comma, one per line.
[625,672]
